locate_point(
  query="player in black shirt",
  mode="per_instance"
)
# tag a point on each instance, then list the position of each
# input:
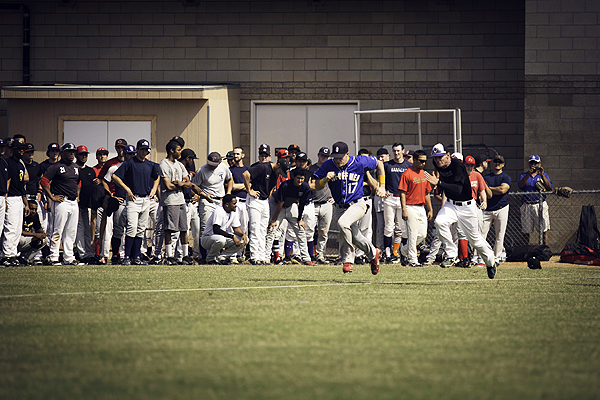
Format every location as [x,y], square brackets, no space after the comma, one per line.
[16,205]
[61,185]
[87,177]
[460,207]
[33,238]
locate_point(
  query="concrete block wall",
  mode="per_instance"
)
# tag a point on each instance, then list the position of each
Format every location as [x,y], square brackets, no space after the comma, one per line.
[388,54]
[562,100]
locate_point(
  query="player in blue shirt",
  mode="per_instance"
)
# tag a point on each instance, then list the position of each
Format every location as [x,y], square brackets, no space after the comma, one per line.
[392,207]
[139,178]
[291,197]
[534,180]
[344,176]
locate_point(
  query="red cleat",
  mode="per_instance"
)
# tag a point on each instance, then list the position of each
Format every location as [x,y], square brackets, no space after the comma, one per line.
[310,263]
[375,262]
[347,267]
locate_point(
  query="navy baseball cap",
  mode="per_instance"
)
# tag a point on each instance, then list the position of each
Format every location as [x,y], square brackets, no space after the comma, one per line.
[120,142]
[179,140]
[129,149]
[293,147]
[480,159]
[302,156]
[143,144]
[324,151]
[264,149]
[53,146]
[29,147]
[188,153]
[229,155]
[382,151]
[339,149]
[68,147]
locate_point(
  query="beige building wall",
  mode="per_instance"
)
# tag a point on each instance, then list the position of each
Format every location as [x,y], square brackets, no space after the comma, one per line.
[37,114]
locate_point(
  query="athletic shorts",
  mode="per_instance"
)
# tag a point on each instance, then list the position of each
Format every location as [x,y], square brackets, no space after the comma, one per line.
[175,218]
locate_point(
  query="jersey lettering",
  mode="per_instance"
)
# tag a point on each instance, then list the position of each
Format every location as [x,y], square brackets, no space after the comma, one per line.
[62,170]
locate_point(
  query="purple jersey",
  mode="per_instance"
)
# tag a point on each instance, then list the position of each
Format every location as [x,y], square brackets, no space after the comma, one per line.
[347,186]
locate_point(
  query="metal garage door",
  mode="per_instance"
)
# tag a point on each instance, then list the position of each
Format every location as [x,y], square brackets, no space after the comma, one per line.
[310,125]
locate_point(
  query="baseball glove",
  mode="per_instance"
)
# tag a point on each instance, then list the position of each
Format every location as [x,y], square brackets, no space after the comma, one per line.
[564,191]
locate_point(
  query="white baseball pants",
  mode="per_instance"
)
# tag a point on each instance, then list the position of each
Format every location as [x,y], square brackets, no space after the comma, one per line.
[258,215]
[467,221]
[348,220]
[13,225]
[66,217]
[416,227]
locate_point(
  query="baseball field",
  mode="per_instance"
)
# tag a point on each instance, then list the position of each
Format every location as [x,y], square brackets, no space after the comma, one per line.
[298,332]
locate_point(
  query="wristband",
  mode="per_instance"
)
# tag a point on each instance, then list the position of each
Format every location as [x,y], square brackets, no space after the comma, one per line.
[323,182]
[382,179]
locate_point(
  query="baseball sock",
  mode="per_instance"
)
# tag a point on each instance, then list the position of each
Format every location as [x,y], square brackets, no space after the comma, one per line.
[463,249]
[128,246]
[137,247]
[169,250]
[185,249]
[396,247]
[289,247]
[311,249]
[115,244]
[387,245]
[202,252]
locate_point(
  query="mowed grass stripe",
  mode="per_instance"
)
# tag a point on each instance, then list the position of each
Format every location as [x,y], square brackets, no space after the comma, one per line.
[265,287]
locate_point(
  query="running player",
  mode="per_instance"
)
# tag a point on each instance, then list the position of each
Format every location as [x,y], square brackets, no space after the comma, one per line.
[61,185]
[344,175]
[460,207]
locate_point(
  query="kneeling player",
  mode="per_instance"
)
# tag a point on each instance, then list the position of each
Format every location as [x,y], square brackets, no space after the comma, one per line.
[221,232]
[33,237]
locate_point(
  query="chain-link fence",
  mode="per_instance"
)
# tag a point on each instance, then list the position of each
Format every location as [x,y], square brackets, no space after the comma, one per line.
[564,214]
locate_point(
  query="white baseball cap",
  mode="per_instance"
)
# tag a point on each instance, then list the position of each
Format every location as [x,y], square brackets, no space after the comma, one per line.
[438,150]
[457,155]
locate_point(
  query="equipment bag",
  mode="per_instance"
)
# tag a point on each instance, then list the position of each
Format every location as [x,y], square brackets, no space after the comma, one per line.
[588,234]
[523,253]
[576,253]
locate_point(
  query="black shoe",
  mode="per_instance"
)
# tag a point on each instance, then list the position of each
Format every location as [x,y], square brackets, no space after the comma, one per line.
[492,270]
[464,263]
[394,260]
[187,260]
[115,260]
[415,265]
[171,261]
[139,261]
[8,262]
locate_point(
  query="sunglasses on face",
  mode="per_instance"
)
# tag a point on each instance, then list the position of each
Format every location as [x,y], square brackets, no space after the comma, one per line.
[421,161]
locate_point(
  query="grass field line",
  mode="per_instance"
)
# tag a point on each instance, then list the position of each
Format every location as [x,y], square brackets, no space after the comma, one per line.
[140,291]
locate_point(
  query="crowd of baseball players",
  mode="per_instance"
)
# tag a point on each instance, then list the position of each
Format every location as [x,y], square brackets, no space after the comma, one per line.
[131,210]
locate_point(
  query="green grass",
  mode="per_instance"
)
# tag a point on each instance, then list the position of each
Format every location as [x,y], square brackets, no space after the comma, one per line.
[105,332]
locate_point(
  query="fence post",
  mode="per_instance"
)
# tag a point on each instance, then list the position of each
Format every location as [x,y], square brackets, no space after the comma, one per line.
[540,218]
